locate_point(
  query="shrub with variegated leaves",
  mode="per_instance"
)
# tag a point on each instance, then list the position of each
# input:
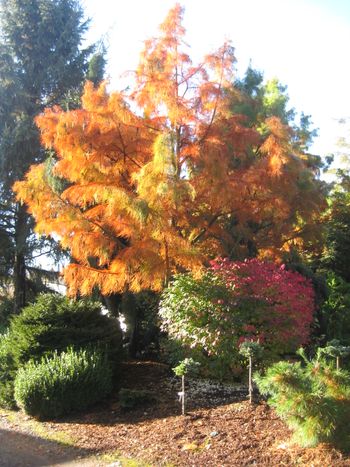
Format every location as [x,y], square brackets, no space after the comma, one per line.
[237,301]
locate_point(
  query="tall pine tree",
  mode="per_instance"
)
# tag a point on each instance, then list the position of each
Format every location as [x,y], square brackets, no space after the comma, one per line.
[42,63]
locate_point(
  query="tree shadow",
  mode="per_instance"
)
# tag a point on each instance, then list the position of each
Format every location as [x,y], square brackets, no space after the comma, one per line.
[26,450]
[160,382]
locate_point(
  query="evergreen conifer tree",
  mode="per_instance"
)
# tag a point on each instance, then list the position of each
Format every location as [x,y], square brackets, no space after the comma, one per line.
[42,63]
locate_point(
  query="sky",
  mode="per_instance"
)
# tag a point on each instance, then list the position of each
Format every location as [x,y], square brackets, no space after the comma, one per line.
[303,43]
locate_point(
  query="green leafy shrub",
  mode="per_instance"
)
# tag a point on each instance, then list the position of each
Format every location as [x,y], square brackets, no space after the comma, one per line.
[192,313]
[237,301]
[313,399]
[62,383]
[134,398]
[51,325]
[171,351]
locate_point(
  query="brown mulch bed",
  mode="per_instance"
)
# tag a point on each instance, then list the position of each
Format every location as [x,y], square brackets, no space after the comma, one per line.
[215,432]
[220,429]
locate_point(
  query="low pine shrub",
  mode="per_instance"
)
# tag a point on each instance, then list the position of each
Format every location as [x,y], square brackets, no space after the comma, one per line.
[63,383]
[313,398]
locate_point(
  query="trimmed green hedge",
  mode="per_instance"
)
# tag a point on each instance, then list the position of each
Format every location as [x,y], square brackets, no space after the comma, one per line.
[62,383]
[51,325]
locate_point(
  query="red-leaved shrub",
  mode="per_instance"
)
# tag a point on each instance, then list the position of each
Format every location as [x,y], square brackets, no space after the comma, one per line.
[279,303]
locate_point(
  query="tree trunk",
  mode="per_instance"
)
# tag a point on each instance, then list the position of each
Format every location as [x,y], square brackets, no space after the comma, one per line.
[113,303]
[19,277]
[132,319]
[19,268]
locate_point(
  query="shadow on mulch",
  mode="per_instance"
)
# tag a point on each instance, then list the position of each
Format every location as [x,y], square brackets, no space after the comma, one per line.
[158,379]
[26,450]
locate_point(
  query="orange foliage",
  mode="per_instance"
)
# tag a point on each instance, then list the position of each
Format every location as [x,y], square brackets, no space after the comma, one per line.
[154,179]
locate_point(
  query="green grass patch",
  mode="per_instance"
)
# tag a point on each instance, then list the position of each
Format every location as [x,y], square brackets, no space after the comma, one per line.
[115,456]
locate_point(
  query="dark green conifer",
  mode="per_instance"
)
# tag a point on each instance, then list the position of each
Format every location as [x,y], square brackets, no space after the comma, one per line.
[42,63]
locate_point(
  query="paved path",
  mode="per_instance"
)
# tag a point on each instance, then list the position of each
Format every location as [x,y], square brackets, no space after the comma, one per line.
[19,448]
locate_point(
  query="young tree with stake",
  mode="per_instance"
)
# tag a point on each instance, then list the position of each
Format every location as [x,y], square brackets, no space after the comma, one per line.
[250,350]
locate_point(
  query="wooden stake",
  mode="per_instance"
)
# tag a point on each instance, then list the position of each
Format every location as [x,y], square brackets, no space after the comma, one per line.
[183,394]
[250,380]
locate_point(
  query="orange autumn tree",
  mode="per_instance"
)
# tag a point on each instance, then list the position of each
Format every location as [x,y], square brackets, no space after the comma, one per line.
[146,182]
